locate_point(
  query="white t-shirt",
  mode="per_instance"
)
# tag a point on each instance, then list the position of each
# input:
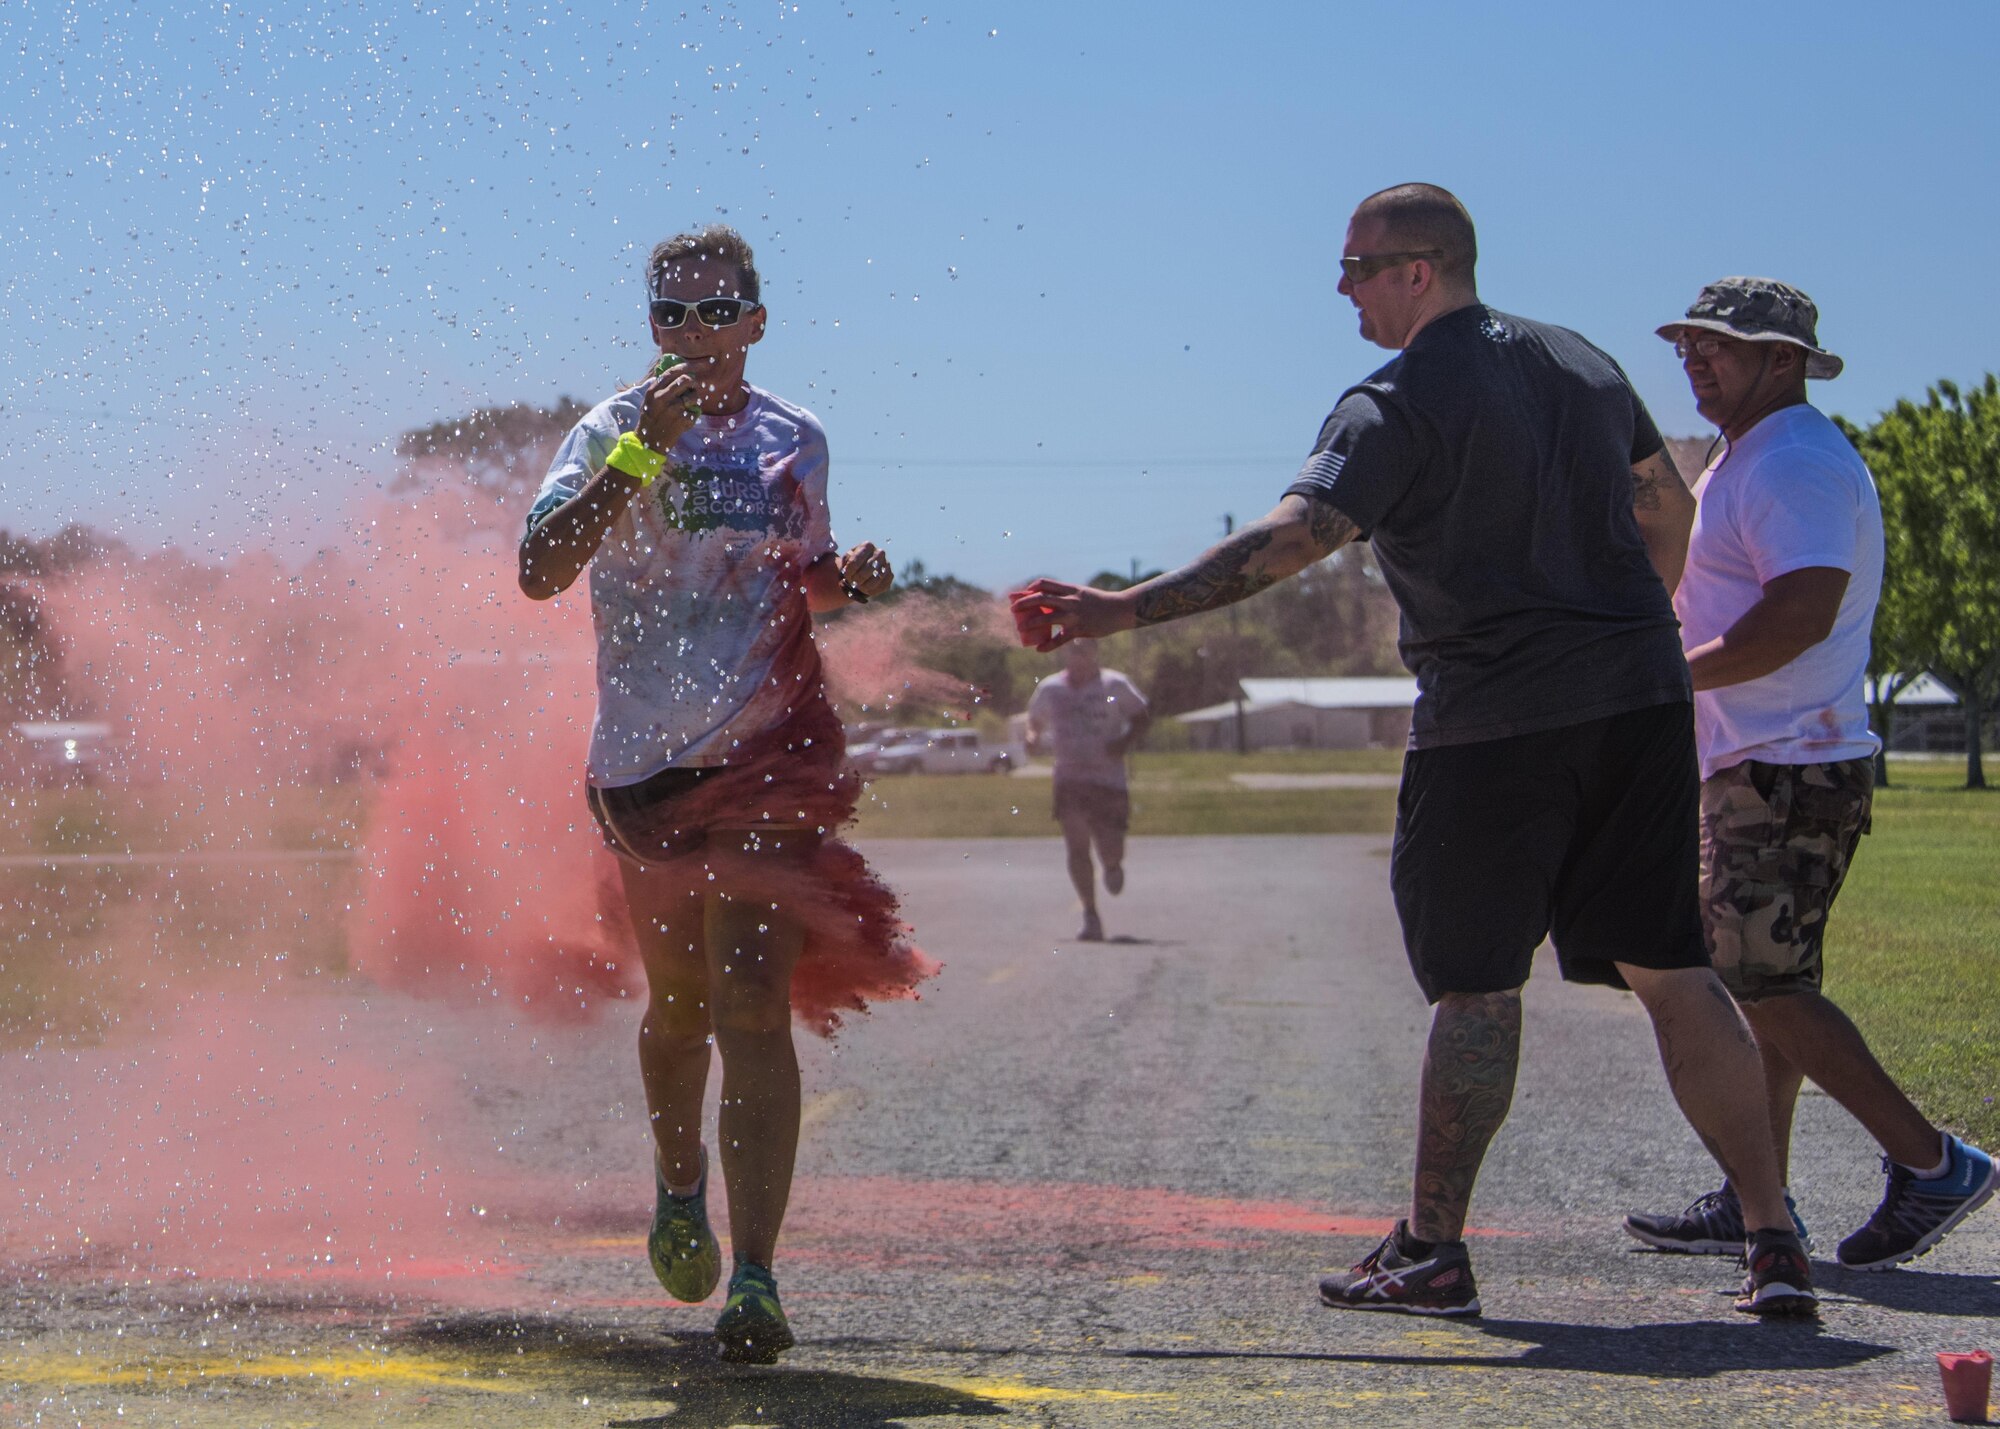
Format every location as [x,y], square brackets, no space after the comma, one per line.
[1083,721]
[703,633]
[1792,493]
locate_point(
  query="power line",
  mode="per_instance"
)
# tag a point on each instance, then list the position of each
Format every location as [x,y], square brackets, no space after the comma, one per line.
[1067,464]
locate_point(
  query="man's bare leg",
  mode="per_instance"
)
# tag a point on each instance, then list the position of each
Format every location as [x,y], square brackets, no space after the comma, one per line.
[1710,1058]
[1468,1084]
[1082,872]
[1819,1040]
[1111,853]
[1782,1082]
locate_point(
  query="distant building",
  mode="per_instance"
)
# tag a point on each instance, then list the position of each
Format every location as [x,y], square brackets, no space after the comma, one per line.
[1364,712]
[46,752]
[1928,719]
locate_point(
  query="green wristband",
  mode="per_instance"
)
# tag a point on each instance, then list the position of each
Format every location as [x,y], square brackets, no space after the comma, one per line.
[635,459]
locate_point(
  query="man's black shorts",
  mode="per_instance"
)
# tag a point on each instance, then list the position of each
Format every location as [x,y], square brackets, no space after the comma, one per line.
[1588,835]
[1106,808]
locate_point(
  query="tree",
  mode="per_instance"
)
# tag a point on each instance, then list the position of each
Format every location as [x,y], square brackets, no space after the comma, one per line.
[30,662]
[502,451]
[1895,655]
[917,579]
[1112,580]
[1937,467]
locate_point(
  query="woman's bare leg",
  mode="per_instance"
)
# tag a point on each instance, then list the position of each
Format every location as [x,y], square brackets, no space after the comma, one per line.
[675,1036]
[752,949]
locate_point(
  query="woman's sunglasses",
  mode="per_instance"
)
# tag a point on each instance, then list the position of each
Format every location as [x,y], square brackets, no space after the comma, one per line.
[713,312]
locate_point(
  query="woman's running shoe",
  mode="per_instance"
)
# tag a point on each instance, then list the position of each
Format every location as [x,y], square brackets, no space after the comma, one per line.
[752,1327]
[681,1246]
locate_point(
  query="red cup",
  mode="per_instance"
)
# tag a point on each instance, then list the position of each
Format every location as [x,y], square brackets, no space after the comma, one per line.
[1024,613]
[1968,1382]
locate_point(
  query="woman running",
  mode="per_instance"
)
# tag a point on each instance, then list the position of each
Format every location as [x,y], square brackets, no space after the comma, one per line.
[715,768]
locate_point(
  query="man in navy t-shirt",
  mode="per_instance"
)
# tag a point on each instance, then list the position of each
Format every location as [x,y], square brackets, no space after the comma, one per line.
[1526,515]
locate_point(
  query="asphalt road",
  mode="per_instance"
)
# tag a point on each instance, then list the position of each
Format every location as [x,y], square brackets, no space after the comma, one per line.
[1076,1185]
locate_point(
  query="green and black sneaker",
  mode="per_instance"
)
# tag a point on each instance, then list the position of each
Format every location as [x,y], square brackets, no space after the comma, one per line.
[681,1246]
[752,1328]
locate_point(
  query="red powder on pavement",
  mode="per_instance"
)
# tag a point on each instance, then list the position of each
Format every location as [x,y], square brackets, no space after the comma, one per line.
[257,1137]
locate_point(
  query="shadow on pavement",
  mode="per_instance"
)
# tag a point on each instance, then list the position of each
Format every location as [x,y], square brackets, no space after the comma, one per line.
[680,1372]
[1942,1293]
[1684,1350]
[1688,1350]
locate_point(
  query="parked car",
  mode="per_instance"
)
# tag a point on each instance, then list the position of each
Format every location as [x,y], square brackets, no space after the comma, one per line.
[943,751]
[867,742]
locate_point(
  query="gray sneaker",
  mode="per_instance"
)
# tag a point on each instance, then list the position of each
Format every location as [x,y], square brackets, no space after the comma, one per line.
[1711,1225]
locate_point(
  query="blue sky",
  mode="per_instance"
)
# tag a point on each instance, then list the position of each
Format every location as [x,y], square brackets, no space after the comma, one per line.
[1058,278]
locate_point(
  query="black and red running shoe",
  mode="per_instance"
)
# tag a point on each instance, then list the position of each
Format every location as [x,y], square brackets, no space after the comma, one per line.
[1780,1280]
[1433,1281]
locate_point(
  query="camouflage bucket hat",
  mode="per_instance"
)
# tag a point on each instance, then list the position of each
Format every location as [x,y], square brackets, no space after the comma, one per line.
[1760,310]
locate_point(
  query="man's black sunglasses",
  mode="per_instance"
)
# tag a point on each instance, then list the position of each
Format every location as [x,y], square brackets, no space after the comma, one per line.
[1360,267]
[713,312]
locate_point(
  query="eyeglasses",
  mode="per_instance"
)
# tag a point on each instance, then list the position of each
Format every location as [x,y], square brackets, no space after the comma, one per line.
[1360,267]
[1685,347]
[713,312]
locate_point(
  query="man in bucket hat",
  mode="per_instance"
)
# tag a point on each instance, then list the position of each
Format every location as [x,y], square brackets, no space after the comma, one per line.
[1783,570]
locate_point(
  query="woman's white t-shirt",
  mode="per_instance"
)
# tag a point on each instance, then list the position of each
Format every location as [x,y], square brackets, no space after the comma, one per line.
[703,631]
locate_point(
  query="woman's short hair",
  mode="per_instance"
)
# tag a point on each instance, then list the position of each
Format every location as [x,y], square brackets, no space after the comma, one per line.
[718,242]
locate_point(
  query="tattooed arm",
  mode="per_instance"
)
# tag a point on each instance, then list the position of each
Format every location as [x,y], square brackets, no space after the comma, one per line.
[1665,508]
[1297,532]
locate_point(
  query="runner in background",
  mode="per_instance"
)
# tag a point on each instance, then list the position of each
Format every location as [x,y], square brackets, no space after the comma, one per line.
[715,766]
[1091,718]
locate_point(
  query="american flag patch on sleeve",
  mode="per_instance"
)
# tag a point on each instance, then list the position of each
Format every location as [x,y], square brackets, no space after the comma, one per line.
[1322,467]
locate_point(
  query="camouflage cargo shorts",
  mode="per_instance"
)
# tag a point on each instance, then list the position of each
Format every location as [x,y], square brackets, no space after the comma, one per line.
[1776,840]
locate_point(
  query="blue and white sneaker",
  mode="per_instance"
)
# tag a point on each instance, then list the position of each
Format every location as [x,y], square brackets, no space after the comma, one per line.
[1916,1214]
[1711,1225]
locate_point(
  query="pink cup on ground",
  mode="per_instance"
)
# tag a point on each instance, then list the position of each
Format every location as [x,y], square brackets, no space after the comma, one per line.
[1968,1382]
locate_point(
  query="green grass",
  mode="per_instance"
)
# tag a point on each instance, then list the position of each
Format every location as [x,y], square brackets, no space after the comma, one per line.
[1181,793]
[1913,946]
[80,942]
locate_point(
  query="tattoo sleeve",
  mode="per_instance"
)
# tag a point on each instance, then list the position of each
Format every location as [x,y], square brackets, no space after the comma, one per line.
[1226,574]
[1330,528]
[1297,533]
[1469,1065]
